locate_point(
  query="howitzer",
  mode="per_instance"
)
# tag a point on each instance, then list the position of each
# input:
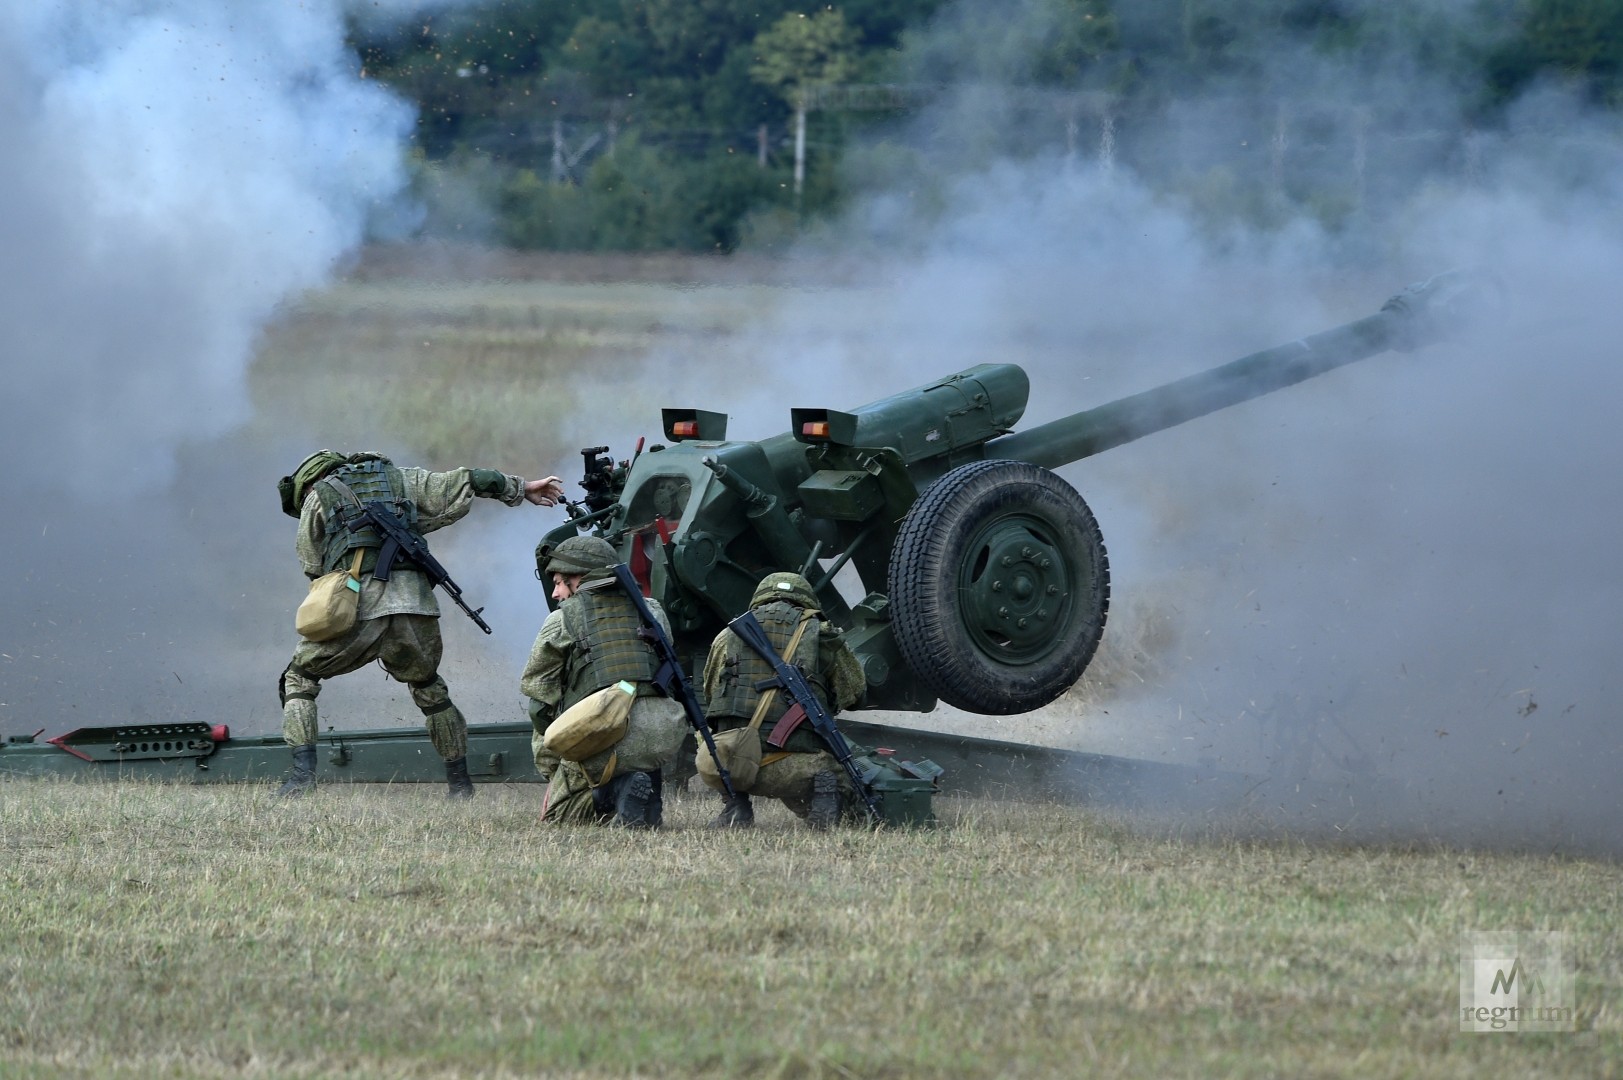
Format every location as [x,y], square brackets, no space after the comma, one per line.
[673,683]
[401,542]
[986,578]
[788,678]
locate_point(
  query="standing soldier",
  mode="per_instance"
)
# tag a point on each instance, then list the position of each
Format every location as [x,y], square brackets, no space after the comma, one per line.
[589,644]
[795,767]
[397,620]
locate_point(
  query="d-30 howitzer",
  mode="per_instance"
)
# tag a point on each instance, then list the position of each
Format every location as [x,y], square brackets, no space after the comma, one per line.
[986,575]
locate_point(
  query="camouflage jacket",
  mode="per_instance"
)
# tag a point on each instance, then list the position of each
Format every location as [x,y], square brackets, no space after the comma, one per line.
[441,498]
[546,676]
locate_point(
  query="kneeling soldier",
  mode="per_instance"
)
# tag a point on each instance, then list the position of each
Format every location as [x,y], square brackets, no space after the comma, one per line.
[590,644]
[795,765]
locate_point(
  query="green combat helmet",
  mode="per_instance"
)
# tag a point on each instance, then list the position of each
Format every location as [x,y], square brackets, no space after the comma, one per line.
[590,555]
[294,488]
[782,586]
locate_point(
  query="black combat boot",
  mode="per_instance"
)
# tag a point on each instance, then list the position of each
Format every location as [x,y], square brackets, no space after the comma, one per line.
[302,780]
[735,813]
[656,802]
[633,796]
[456,778]
[823,812]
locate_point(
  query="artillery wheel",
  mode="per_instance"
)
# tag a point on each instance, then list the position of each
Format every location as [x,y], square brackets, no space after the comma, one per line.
[999,585]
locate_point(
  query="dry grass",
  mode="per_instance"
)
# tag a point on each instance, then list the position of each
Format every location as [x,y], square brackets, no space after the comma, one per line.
[176,931]
[419,359]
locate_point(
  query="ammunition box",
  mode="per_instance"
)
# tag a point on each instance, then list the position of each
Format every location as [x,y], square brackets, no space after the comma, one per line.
[906,791]
[841,494]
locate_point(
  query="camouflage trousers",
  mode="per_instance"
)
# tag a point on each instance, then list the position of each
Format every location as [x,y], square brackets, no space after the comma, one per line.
[654,732]
[568,798]
[789,780]
[408,647]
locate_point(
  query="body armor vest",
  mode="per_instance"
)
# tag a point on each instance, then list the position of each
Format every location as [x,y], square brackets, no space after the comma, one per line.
[372,480]
[736,696]
[603,625]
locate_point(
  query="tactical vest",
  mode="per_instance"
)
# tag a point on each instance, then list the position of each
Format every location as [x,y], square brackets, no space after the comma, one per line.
[743,668]
[372,480]
[603,624]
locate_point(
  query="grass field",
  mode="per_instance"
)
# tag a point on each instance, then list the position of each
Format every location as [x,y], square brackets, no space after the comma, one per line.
[158,931]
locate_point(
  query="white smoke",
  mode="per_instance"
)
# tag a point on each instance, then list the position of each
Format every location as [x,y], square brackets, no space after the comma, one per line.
[1394,578]
[178,170]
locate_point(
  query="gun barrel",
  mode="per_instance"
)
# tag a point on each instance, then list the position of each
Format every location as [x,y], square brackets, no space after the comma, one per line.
[1418,315]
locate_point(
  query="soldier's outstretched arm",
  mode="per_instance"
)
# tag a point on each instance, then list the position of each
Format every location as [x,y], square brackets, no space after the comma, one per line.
[443,498]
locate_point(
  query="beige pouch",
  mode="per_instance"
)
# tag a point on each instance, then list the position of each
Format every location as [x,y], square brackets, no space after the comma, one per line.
[740,751]
[593,724]
[329,609]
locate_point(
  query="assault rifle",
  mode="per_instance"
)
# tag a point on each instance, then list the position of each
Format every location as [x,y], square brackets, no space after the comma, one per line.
[673,681]
[401,542]
[789,679]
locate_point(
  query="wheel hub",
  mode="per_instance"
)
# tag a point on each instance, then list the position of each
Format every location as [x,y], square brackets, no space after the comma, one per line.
[1015,587]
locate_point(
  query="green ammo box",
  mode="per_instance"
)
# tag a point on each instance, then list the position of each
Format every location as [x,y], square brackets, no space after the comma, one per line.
[841,494]
[905,789]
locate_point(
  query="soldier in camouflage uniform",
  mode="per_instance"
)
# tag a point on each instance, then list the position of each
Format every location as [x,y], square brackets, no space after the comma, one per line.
[801,773]
[397,621]
[588,643]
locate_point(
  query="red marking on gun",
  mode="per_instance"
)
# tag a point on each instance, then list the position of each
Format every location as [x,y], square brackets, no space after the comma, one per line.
[642,567]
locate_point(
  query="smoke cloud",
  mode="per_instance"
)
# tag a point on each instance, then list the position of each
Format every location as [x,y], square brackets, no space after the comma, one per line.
[176,170]
[1383,602]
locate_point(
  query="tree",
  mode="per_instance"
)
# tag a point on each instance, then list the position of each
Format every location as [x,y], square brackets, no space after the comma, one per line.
[798,53]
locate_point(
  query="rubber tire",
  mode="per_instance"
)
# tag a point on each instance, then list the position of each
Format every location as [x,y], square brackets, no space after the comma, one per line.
[942,587]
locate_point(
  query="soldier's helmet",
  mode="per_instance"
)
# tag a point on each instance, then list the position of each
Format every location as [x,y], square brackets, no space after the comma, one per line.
[591,555]
[791,587]
[294,487]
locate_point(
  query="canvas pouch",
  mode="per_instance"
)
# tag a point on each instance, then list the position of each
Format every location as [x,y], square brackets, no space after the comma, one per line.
[329,609]
[740,751]
[593,724]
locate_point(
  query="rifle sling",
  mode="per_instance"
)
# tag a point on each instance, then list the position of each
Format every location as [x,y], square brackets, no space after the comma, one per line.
[771,695]
[608,771]
[343,489]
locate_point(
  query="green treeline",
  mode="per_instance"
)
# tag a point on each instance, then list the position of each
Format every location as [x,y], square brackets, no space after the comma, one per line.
[689,124]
